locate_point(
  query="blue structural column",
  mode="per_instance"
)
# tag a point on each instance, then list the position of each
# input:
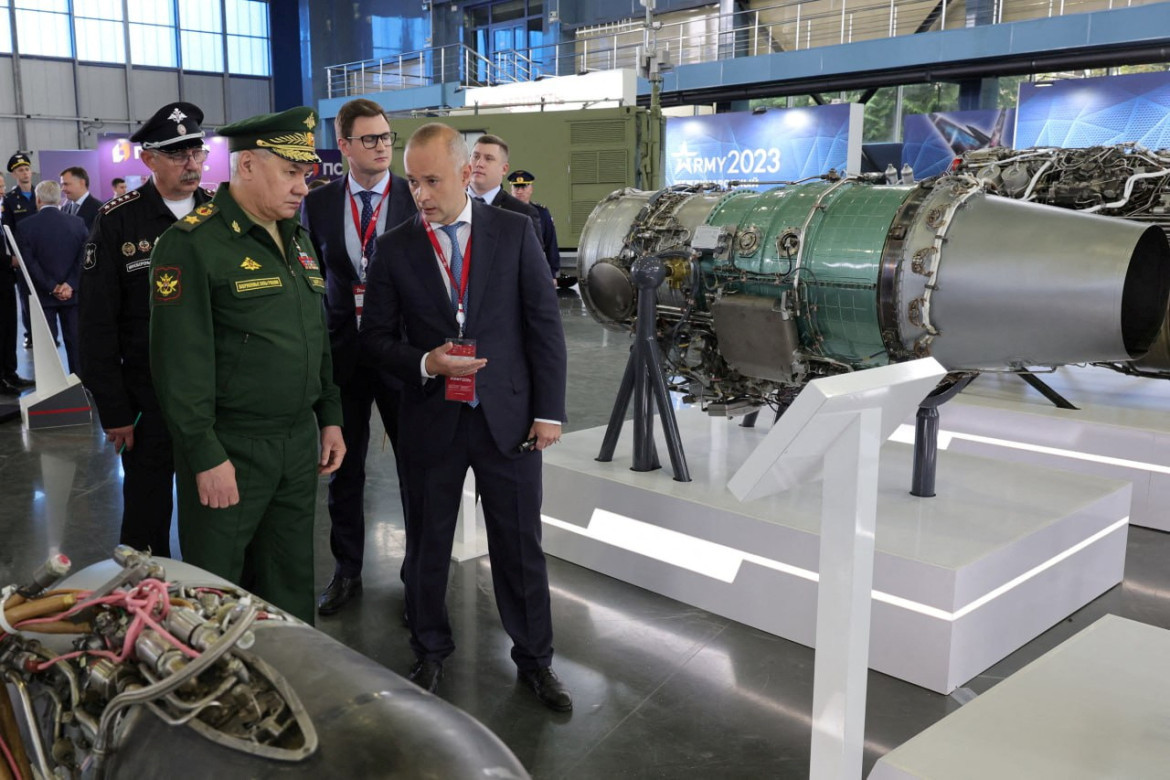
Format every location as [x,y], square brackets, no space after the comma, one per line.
[284,42]
[977,94]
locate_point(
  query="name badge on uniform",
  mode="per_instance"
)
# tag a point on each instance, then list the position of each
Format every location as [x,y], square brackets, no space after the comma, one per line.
[359,300]
[461,388]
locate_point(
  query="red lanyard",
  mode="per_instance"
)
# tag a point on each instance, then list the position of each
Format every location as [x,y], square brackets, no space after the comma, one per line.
[461,286]
[357,221]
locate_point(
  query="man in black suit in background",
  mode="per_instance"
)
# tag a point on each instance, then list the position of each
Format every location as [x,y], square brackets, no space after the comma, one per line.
[343,218]
[465,270]
[52,244]
[75,187]
[489,165]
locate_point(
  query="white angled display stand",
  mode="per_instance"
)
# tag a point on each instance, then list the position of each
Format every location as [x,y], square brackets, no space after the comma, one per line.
[837,425]
[59,399]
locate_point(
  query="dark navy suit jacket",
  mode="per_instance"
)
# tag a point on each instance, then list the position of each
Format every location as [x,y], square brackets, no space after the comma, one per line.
[88,211]
[512,314]
[53,247]
[325,211]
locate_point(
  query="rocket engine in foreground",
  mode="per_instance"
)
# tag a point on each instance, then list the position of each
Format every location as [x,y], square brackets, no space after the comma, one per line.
[767,290]
[127,669]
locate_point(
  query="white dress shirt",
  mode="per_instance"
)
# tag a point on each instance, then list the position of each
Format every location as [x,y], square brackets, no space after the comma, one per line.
[353,244]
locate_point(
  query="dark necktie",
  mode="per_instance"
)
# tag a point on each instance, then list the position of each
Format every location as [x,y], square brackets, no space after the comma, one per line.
[456,263]
[367,214]
[479,198]
[457,272]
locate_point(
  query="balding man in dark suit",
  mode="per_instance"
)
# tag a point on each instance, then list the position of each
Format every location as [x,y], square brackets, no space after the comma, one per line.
[53,245]
[470,271]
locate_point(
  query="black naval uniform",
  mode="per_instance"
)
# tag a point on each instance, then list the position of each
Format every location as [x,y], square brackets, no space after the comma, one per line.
[115,355]
[16,208]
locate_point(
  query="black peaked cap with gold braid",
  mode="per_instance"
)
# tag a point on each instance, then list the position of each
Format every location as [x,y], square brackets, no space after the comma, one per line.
[288,134]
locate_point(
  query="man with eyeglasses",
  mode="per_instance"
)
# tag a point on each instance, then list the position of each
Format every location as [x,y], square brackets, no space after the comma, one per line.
[115,317]
[344,218]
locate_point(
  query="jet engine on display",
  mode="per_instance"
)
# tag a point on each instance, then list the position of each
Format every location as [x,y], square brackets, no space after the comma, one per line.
[764,291]
[122,671]
[1118,181]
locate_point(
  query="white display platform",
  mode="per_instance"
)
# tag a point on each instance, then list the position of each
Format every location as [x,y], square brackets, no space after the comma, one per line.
[1121,430]
[1097,706]
[961,580]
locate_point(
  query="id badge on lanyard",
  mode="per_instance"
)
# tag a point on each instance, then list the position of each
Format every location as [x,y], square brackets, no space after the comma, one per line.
[359,300]
[461,388]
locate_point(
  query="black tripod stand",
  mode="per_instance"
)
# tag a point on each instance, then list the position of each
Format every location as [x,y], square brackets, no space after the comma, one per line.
[643,376]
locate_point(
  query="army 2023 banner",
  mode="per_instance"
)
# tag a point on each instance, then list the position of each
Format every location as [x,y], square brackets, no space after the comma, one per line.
[779,145]
[1092,112]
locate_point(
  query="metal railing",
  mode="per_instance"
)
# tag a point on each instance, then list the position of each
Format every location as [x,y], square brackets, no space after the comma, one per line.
[453,63]
[691,37]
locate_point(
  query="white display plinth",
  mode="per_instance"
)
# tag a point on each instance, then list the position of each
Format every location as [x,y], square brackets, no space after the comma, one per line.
[59,399]
[1121,430]
[835,428]
[1002,553]
[1097,706]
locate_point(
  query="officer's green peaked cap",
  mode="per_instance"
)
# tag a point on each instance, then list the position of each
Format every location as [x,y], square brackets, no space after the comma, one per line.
[288,134]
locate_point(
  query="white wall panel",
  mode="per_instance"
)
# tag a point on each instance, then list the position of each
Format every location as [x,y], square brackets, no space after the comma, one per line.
[102,94]
[49,134]
[48,88]
[207,93]
[249,97]
[7,140]
[149,90]
[7,90]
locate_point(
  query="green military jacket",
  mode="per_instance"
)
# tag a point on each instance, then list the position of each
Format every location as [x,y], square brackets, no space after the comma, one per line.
[238,340]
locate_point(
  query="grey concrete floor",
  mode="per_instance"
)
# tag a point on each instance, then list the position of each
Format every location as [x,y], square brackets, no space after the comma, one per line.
[661,689]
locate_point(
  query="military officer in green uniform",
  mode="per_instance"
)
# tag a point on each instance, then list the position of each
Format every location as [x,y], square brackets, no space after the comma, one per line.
[241,362]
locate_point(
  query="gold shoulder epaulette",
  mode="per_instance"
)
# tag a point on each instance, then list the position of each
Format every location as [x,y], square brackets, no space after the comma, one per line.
[121,200]
[196,217]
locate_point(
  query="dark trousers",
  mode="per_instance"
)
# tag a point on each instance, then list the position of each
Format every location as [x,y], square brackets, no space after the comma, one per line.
[7,321]
[68,319]
[25,317]
[347,485]
[265,542]
[511,490]
[147,487]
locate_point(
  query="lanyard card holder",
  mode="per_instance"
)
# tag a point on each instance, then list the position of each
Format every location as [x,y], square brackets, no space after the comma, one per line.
[461,388]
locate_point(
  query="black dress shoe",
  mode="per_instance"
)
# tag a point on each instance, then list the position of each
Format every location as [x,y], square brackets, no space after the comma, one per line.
[426,675]
[338,593]
[7,388]
[16,380]
[548,688]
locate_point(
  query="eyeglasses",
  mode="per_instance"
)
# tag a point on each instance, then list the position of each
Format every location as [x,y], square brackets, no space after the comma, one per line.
[371,141]
[181,158]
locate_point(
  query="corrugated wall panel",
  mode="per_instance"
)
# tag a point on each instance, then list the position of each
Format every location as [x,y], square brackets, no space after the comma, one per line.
[149,89]
[207,93]
[249,97]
